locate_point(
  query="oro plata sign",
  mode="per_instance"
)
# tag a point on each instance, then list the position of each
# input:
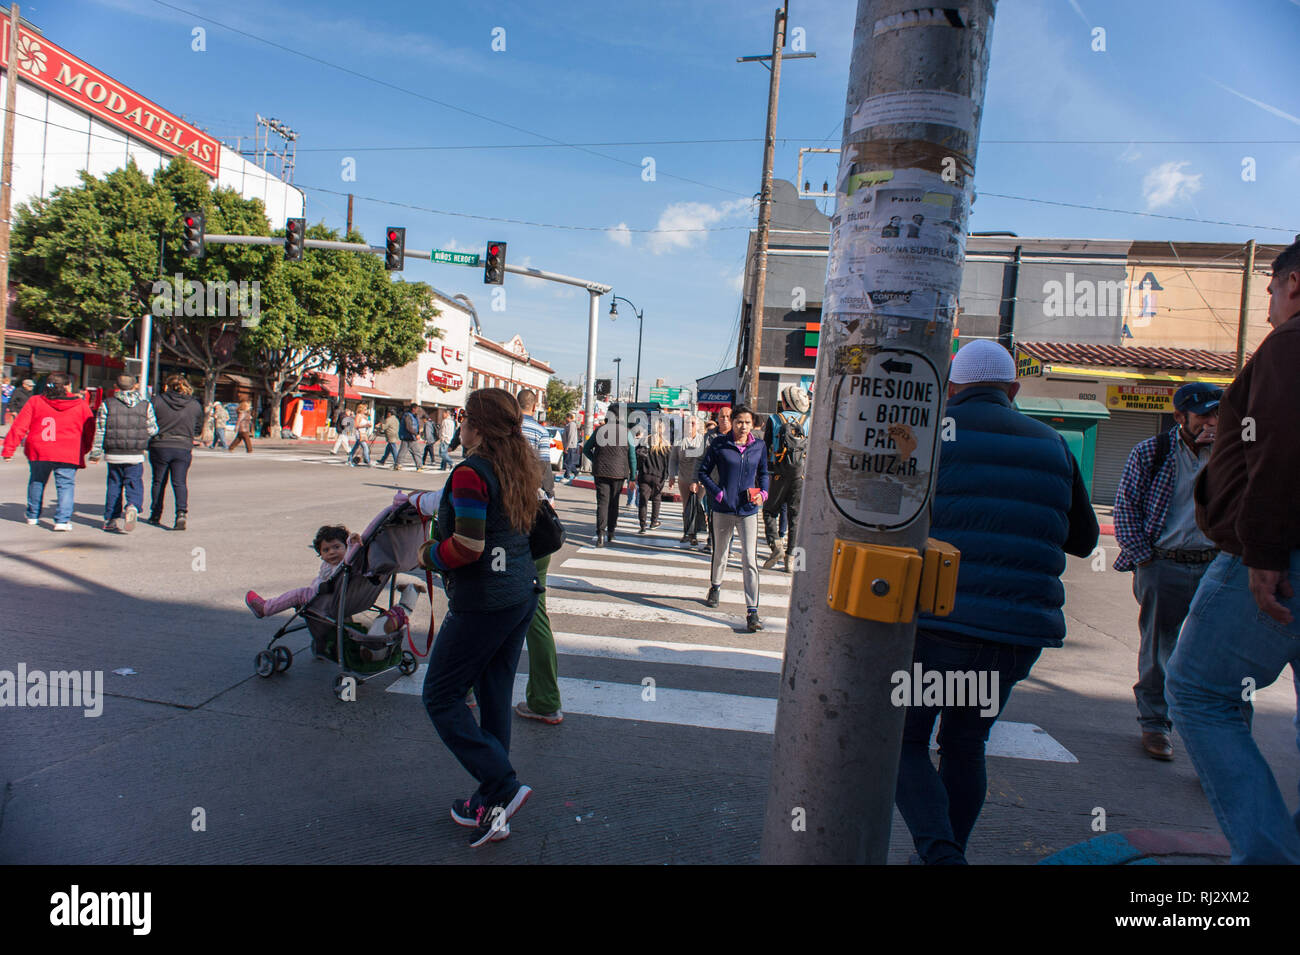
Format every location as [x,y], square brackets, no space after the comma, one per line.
[883,440]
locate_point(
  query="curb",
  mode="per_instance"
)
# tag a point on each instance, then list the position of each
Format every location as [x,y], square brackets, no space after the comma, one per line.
[1144,847]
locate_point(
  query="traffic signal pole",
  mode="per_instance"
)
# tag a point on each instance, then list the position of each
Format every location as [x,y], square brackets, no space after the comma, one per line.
[594,289]
[903,192]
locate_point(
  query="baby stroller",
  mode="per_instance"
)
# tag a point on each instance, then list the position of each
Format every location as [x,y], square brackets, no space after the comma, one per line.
[390,546]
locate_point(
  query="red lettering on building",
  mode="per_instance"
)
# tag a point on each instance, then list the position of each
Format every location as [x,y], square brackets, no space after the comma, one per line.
[53,69]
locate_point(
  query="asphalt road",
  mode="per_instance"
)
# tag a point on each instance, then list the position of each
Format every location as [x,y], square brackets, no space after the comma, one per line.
[278,770]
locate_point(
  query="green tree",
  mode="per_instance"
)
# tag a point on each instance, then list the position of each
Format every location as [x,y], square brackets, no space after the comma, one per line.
[87,262]
[385,323]
[561,398]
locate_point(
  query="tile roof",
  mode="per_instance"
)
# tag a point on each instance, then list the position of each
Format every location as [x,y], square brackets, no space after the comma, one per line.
[1132,356]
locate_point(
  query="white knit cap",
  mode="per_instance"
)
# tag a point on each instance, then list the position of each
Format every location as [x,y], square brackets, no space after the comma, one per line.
[982,360]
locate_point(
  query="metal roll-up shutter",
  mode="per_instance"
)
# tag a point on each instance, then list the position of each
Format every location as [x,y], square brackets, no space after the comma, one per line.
[1115,439]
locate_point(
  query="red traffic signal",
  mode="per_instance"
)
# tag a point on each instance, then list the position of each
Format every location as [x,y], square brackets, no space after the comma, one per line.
[192,244]
[395,250]
[294,236]
[494,264]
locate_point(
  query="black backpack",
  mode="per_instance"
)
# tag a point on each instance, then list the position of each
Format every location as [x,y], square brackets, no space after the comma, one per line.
[794,446]
[1164,445]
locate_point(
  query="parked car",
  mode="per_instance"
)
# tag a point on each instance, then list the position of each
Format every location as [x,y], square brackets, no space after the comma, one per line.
[557,447]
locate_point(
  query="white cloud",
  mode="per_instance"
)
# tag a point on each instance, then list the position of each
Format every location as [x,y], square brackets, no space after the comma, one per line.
[1167,183]
[620,234]
[737,282]
[682,224]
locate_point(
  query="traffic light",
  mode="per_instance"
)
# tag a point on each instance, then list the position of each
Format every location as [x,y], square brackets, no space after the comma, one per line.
[192,247]
[395,250]
[494,264]
[295,233]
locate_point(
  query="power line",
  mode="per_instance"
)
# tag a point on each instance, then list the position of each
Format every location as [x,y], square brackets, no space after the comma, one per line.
[430,99]
[1128,212]
[526,222]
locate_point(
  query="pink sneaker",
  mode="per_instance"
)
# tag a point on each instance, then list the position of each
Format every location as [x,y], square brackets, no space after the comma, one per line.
[255,603]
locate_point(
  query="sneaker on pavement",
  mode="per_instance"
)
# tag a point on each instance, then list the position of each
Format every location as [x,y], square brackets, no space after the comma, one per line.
[597,541]
[1157,745]
[154,519]
[182,518]
[462,814]
[33,521]
[490,826]
[129,518]
[752,623]
[778,554]
[712,599]
[654,524]
[110,526]
[63,527]
[524,710]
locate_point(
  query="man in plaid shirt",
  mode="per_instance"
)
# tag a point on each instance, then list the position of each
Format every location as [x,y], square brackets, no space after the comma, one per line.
[1155,525]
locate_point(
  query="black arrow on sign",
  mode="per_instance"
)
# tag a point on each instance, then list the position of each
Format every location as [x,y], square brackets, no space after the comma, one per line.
[892,365]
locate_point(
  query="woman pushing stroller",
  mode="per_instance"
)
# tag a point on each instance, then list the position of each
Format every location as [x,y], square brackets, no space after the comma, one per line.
[485,514]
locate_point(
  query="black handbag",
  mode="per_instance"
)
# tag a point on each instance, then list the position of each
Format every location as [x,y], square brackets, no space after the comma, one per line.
[547,535]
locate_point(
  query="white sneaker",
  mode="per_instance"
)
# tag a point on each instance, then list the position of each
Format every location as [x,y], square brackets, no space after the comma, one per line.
[63,527]
[33,521]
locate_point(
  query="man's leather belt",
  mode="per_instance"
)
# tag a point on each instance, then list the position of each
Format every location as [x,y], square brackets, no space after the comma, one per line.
[1186,556]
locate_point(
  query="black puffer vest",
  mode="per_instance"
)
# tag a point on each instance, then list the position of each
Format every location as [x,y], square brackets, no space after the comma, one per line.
[127,428]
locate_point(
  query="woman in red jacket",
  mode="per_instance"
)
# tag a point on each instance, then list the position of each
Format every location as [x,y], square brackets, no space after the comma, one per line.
[56,429]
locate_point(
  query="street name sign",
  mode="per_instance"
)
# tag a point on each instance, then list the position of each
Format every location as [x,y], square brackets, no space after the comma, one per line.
[454,258]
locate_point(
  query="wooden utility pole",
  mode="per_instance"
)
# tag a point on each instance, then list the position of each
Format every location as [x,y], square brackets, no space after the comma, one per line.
[750,388]
[911,127]
[7,173]
[1245,303]
[349,228]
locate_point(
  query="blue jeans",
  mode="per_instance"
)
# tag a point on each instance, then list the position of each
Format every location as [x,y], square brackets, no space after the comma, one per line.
[390,447]
[123,477]
[443,456]
[940,806]
[65,484]
[479,651]
[218,436]
[1227,646]
[571,463]
[365,450]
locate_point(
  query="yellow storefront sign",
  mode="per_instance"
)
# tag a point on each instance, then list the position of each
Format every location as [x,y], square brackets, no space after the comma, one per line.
[1027,366]
[1140,398]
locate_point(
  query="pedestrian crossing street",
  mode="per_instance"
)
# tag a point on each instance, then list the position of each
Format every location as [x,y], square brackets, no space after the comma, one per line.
[652,592]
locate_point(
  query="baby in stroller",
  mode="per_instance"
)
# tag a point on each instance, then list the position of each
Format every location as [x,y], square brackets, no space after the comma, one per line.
[334,545]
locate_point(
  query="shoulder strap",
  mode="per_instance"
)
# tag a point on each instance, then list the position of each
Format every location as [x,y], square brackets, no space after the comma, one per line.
[1164,446]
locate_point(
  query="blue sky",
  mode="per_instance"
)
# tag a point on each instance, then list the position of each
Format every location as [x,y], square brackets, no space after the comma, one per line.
[1175,71]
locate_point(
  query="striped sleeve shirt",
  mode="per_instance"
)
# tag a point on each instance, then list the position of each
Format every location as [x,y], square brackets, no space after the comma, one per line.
[469,502]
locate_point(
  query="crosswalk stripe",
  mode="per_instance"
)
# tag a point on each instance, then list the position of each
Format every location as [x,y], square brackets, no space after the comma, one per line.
[770,578]
[620,587]
[727,711]
[660,615]
[669,555]
[663,651]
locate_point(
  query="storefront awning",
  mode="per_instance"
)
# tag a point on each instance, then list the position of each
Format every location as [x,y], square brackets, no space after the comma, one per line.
[319,383]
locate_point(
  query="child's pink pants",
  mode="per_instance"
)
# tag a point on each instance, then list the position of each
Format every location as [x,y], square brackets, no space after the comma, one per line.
[294,598]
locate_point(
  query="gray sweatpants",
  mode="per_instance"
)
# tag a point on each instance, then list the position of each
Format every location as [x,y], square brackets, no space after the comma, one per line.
[724,526]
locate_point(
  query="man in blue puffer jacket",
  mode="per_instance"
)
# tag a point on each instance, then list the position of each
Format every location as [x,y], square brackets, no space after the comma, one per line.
[1010,497]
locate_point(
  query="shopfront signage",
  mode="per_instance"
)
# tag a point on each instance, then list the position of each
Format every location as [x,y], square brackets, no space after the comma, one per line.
[57,71]
[1141,398]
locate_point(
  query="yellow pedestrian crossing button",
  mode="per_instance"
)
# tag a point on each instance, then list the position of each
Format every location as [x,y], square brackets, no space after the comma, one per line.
[889,584]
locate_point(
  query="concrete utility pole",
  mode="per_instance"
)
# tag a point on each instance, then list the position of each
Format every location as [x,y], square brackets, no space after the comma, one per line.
[749,390]
[7,173]
[915,95]
[1245,306]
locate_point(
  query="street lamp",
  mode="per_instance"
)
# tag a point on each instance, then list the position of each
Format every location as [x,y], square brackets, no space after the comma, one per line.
[618,379]
[613,313]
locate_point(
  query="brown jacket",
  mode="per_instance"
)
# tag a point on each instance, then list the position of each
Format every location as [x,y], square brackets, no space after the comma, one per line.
[1246,496]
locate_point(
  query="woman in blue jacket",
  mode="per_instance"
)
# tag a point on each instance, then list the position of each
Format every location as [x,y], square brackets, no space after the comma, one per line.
[736,498]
